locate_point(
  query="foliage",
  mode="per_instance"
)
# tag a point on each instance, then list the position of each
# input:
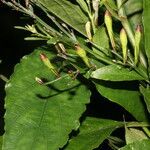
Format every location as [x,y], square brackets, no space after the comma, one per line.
[46,96]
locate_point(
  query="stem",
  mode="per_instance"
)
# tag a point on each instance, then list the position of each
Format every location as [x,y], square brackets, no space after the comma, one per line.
[48,83]
[91,16]
[125,22]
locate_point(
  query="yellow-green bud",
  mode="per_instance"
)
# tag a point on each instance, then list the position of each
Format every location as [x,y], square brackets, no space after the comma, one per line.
[47,63]
[95,8]
[82,53]
[124,42]
[138,35]
[39,80]
[108,23]
[88,30]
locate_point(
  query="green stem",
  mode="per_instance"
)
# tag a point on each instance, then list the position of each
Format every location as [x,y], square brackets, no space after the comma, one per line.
[51,82]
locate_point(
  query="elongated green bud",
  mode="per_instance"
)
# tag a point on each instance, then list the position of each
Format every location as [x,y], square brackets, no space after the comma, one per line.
[88,30]
[108,23]
[124,42]
[47,63]
[95,4]
[138,35]
[82,53]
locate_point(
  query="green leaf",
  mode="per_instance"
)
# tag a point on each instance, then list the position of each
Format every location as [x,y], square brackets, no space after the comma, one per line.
[133,10]
[133,6]
[133,135]
[138,124]
[101,39]
[83,5]
[146,18]
[112,4]
[39,116]
[140,145]
[68,12]
[93,132]
[146,94]
[123,94]
[115,73]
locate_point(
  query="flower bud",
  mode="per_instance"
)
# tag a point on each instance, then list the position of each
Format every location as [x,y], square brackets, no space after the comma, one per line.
[124,42]
[47,63]
[88,30]
[108,23]
[138,35]
[95,4]
[38,80]
[82,53]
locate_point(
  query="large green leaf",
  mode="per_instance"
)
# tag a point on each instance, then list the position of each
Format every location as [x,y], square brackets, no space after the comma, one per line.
[146,18]
[38,116]
[115,73]
[140,145]
[68,12]
[92,133]
[123,94]
[146,94]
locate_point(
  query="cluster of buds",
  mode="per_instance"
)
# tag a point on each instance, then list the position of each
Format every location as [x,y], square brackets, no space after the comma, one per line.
[124,41]
[123,38]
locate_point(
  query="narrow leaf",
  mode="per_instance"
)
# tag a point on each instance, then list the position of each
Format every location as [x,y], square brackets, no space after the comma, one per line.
[68,12]
[146,18]
[83,5]
[146,94]
[115,73]
[112,4]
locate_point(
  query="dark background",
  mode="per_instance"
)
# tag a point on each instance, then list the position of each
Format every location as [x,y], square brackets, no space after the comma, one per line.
[12,47]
